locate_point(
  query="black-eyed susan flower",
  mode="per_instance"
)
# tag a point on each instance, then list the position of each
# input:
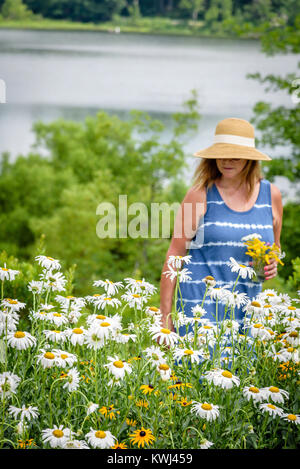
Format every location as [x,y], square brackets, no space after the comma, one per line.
[142,403]
[109,412]
[118,445]
[184,402]
[147,388]
[142,437]
[131,422]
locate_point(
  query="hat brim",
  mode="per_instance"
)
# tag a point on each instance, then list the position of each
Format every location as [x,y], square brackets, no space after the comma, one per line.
[230,151]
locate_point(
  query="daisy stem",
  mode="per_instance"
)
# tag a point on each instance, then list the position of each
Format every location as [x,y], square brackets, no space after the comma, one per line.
[49,400]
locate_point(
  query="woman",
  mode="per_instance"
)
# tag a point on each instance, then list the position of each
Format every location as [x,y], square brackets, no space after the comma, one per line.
[229,200]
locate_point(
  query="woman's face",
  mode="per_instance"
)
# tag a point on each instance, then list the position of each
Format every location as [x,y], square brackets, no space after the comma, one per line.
[231,168]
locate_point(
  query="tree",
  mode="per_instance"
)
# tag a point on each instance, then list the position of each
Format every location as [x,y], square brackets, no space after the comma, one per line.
[15,10]
[193,7]
[280,125]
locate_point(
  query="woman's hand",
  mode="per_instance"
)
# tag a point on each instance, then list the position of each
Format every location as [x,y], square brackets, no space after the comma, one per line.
[271,269]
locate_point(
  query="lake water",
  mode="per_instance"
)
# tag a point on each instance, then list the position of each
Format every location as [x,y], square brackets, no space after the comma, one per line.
[52,74]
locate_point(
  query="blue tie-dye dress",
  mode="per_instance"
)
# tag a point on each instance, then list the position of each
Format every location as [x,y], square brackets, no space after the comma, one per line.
[222,229]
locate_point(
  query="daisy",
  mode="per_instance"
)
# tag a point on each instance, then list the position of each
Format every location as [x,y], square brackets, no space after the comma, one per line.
[251,236]
[75,444]
[292,418]
[56,436]
[155,355]
[8,321]
[176,261]
[63,358]
[152,311]
[92,340]
[12,305]
[46,358]
[218,293]
[122,338]
[235,299]
[8,384]
[36,287]
[21,340]
[194,355]
[292,337]
[272,410]
[76,336]
[54,281]
[92,407]
[8,274]
[140,286]
[205,410]
[142,437]
[66,302]
[134,300]
[117,367]
[26,412]
[110,287]
[288,354]
[102,301]
[73,379]
[104,329]
[258,330]
[57,318]
[209,281]
[223,378]
[164,335]
[276,394]
[241,269]
[254,393]
[198,312]
[48,262]
[183,274]
[100,439]
[205,444]
[164,371]
[55,335]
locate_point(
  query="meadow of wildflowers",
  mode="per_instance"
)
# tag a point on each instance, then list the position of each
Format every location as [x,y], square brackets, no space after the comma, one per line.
[101,371]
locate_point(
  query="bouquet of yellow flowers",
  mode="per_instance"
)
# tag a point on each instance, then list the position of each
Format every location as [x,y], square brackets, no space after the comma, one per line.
[261,254]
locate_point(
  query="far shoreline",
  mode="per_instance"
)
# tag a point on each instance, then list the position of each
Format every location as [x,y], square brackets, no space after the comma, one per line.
[109,28]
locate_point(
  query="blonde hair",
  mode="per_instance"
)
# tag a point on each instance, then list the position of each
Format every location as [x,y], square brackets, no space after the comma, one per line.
[207,173]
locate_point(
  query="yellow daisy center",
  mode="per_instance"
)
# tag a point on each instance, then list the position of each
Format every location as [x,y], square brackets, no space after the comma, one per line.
[19,335]
[50,258]
[153,308]
[258,326]
[77,330]
[49,355]
[292,417]
[100,434]
[254,389]
[292,308]
[290,349]
[273,389]
[188,352]
[58,315]
[271,406]
[107,299]
[206,407]
[293,334]
[100,316]
[105,324]
[63,356]
[165,331]
[256,303]
[164,367]
[58,433]
[227,374]
[242,265]
[118,364]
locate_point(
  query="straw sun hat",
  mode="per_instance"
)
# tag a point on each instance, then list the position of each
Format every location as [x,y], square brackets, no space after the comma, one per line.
[234,138]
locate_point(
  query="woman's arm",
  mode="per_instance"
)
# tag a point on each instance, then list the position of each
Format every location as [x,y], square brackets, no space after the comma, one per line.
[271,269]
[192,208]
